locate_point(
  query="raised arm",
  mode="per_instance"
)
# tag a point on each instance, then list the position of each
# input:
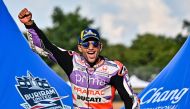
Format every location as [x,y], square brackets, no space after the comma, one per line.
[36,35]
[40,44]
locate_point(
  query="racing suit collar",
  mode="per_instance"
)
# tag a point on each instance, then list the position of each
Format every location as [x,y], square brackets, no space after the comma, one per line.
[99,61]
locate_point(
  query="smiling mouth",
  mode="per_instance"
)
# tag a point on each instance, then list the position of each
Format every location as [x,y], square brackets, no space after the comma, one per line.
[91,52]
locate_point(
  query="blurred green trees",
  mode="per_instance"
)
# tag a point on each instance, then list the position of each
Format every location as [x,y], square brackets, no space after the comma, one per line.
[66,28]
[146,57]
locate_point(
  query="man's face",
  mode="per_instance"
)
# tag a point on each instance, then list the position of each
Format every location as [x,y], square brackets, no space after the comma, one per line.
[90,49]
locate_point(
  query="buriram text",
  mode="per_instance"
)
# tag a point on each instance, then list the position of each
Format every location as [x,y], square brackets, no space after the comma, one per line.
[40,95]
[158,95]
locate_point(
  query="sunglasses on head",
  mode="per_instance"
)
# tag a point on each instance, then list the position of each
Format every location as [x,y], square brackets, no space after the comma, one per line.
[87,44]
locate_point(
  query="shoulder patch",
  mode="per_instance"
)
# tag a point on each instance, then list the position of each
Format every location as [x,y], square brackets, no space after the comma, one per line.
[122,69]
[70,53]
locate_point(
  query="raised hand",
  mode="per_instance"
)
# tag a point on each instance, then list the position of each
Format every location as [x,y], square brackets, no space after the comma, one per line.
[25,17]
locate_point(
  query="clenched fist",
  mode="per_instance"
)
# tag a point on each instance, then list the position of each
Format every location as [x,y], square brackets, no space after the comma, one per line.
[25,17]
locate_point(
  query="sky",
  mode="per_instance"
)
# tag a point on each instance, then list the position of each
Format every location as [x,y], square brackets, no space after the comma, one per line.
[120,21]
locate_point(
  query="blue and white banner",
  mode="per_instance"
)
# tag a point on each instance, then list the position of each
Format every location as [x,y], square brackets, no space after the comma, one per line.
[171,88]
[26,82]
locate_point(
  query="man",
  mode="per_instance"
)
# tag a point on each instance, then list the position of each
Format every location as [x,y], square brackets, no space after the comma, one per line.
[93,78]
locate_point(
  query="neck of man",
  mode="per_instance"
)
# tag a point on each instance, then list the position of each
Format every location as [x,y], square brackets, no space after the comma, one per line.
[95,62]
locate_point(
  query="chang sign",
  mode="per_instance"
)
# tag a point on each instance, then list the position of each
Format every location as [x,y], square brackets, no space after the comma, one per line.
[156,95]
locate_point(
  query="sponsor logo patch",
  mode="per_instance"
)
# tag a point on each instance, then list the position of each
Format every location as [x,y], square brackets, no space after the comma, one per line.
[38,94]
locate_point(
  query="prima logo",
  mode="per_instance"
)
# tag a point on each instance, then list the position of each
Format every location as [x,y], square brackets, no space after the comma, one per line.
[37,93]
[81,79]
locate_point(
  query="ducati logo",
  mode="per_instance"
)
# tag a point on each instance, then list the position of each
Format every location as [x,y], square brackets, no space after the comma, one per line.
[38,94]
